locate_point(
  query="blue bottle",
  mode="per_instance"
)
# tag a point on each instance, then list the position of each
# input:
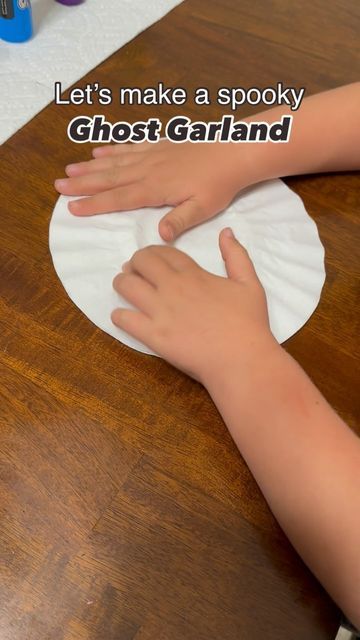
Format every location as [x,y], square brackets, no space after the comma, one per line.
[15,20]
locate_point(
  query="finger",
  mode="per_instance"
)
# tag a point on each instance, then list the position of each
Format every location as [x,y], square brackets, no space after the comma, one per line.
[100,164]
[135,323]
[237,260]
[137,291]
[183,217]
[118,149]
[90,184]
[121,199]
[110,150]
[150,266]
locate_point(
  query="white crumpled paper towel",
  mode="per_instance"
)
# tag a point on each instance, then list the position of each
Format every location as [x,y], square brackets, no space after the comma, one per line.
[269,220]
[68,43]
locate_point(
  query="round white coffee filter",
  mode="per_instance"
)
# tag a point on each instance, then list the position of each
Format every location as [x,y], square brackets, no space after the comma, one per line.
[269,220]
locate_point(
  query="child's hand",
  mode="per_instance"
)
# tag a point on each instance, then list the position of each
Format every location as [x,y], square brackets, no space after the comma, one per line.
[198,180]
[199,322]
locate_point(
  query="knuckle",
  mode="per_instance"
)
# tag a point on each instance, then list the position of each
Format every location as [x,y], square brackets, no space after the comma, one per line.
[113,177]
[144,253]
[121,160]
[200,210]
[149,192]
[161,332]
[179,283]
[138,253]
[111,200]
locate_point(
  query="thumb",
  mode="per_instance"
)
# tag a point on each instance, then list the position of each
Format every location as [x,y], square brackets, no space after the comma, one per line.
[237,261]
[183,217]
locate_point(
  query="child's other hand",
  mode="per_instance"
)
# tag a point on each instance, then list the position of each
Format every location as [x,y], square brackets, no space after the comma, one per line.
[200,322]
[198,180]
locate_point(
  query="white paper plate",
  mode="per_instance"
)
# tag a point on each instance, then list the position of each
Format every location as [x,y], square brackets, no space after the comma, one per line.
[269,220]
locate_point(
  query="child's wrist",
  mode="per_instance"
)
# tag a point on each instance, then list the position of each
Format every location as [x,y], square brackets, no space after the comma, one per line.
[246,366]
[252,162]
[259,161]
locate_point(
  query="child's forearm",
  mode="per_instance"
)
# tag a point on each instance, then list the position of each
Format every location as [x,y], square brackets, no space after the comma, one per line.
[306,462]
[325,136]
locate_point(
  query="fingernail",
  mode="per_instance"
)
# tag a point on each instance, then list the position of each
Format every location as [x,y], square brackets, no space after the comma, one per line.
[168,232]
[61,184]
[228,233]
[125,265]
[70,168]
[74,207]
[113,316]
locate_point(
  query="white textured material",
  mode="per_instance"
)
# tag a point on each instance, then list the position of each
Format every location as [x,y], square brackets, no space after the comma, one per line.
[269,220]
[68,43]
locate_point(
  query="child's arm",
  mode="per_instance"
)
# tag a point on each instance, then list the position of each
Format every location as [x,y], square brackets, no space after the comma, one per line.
[303,456]
[306,462]
[200,180]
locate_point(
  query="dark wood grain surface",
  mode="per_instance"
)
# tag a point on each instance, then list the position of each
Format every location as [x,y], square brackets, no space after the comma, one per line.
[126,510]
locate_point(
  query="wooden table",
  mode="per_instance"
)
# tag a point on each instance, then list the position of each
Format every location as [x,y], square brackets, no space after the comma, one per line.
[126,510]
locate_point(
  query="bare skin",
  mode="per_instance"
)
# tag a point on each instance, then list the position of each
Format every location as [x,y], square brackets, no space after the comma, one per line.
[199,180]
[303,456]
